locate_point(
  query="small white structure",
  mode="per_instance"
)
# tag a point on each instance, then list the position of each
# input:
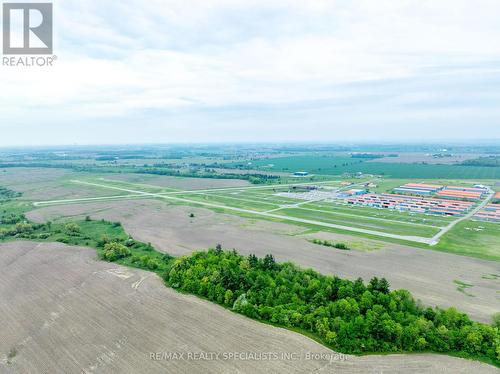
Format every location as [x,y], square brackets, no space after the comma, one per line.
[301,174]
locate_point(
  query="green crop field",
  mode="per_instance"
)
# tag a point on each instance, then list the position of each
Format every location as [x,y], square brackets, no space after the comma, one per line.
[333,165]
[313,164]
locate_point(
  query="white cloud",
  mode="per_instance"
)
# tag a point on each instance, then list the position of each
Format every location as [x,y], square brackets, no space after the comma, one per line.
[117,60]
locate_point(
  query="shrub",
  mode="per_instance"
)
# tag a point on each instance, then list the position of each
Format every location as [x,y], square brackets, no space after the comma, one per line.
[72,228]
[152,264]
[496,320]
[328,243]
[115,251]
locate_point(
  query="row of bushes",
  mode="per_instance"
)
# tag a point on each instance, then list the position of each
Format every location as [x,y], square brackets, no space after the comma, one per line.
[115,251]
[328,243]
[23,229]
[9,218]
[115,246]
[7,194]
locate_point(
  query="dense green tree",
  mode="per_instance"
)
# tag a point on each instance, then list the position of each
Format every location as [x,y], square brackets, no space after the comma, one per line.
[114,251]
[269,263]
[349,316]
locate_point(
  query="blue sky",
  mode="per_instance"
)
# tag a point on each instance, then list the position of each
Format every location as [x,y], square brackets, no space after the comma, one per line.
[219,71]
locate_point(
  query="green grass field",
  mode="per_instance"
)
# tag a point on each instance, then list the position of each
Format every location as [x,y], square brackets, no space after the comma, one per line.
[399,228]
[230,202]
[383,214]
[473,238]
[254,197]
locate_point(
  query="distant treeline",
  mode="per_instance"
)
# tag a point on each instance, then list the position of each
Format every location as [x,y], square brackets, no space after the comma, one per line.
[369,156]
[251,177]
[254,178]
[492,161]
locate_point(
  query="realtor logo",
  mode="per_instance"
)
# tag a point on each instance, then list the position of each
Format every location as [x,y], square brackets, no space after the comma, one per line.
[27,28]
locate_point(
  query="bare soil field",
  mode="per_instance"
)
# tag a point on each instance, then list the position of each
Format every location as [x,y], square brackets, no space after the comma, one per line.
[31,175]
[49,184]
[430,275]
[408,158]
[179,183]
[65,312]
[250,171]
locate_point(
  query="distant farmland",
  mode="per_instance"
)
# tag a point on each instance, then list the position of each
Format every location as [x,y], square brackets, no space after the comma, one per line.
[333,165]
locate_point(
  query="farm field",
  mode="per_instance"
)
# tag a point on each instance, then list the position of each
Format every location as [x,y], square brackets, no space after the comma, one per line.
[45,183]
[335,165]
[429,275]
[132,315]
[179,182]
[129,314]
[409,157]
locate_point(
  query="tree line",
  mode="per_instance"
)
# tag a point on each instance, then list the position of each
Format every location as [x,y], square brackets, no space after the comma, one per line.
[491,161]
[349,316]
[156,169]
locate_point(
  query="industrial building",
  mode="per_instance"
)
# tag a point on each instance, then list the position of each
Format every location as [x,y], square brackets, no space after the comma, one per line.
[455,194]
[313,195]
[419,189]
[476,188]
[449,192]
[354,192]
[490,212]
[301,174]
[496,198]
[412,204]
